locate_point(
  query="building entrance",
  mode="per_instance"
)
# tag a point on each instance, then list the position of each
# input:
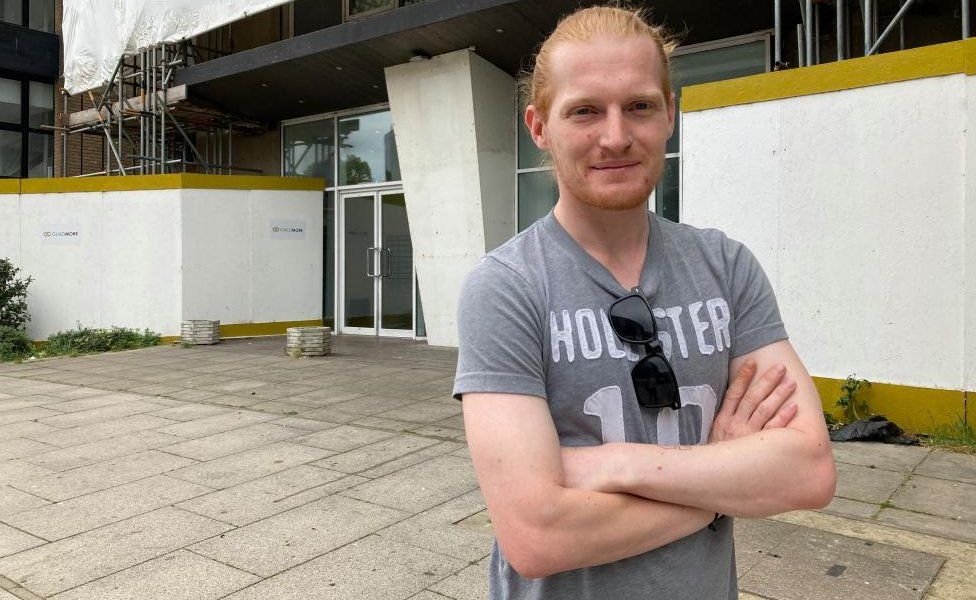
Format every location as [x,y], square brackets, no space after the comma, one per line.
[377,291]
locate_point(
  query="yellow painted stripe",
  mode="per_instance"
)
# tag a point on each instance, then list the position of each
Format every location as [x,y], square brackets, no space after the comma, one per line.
[231,330]
[9,186]
[929,61]
[915,409]
[167,182]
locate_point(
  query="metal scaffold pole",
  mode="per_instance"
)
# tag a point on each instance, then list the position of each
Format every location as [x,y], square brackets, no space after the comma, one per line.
[778,32]
[965,19]
[841,28]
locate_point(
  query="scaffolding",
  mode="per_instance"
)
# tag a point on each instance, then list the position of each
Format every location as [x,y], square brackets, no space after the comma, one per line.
[808,31]
[150,126]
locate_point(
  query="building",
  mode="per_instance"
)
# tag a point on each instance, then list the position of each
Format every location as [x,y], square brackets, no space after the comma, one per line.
[408,111]
[28,70]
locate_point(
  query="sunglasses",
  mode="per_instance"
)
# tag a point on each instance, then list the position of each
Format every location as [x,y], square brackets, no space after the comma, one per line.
[654,382]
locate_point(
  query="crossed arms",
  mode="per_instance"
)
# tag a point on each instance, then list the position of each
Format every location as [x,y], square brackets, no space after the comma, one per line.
[556,509]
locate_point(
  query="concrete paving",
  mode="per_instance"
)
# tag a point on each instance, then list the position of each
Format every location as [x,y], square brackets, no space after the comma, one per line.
[236,472]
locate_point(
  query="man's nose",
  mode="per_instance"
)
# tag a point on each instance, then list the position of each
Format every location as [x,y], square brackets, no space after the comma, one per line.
[616,135]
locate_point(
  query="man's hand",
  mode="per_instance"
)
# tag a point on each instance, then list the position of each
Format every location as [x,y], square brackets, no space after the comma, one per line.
[750,408]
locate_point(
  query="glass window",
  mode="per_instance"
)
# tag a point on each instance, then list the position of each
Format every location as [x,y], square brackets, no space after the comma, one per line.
[328,255]
[367,149]
[666,192]
[10,101]
[40,155]
[359,8]
[529,155]
[41,104]
[42,15]
[10,12]
[10,153]
[309,150]
[537,194]
[714,65]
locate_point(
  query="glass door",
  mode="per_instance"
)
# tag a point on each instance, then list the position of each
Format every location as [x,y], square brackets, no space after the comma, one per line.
[377,291]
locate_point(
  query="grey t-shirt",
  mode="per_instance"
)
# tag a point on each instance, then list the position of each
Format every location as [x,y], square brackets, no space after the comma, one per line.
[532,320]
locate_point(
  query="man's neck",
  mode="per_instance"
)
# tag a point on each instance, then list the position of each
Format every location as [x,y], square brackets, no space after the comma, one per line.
[615,238]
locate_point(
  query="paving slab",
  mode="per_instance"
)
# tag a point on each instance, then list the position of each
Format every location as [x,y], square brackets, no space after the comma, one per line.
[13,540]
[755,539]
[105,398]
[420,487]
[233,441]
[25,429]
[28,413]
[76,436]
[18,473]
[261,498]
[99,415]
[343,438]
[399,463]
[470,583]
[93,478]
[249,465]
[817,565]
[13,501]
[940,497]
[218,423]
[372,455]
[953,529]
[423,412]
[440,529]
[73,561]
[307,425]
[369,569]
[949,465]
[866,484]
[282,541]
[91,511]
[851,508]
[370,405]
[21,447]
[180,575]
[62,459]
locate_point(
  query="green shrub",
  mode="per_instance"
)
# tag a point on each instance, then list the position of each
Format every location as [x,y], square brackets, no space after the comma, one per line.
[854,407]
[84,340]
[13,296]
[14,344]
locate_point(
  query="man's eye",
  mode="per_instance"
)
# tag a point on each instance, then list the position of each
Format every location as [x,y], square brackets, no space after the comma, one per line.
[642,106]
[583,110]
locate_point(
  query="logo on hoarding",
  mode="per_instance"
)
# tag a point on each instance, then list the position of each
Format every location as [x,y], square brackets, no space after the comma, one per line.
[287,230]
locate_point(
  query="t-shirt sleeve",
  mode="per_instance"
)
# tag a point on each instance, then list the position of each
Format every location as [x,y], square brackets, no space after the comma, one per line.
[755,313]
[499,334]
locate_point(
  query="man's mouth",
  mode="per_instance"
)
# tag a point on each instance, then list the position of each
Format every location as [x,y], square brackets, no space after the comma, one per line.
[615,166]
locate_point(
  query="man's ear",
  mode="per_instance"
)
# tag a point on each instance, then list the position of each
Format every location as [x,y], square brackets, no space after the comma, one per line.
[672,104]
[536,126]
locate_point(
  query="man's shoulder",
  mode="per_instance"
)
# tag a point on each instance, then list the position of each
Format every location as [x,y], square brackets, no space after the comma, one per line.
[684,234]
[520,254]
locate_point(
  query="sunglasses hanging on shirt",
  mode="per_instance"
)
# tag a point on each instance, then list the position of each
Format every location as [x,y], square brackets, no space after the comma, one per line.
[654,382]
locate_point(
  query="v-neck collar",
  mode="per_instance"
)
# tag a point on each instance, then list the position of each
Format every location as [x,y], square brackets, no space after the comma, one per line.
[650,272]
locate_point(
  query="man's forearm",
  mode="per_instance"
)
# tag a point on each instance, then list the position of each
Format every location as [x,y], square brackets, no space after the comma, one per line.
[765,473]
[582,528]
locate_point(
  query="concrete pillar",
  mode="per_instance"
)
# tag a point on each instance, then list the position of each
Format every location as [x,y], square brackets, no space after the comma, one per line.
[454,117]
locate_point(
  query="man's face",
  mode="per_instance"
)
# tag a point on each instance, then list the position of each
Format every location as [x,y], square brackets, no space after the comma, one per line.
[608,121]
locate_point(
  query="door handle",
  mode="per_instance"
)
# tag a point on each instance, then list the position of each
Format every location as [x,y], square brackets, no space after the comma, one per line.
[385,271]
[370,262]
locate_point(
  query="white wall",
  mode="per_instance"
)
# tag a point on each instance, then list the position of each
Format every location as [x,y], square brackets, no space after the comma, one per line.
[235,271]
[854,203]
[454,122]
[152,258]
[122,267]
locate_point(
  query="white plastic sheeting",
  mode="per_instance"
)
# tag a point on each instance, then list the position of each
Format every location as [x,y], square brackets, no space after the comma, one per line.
[97,33]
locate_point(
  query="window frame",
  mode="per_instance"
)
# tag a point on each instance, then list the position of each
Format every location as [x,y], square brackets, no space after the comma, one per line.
[24,127]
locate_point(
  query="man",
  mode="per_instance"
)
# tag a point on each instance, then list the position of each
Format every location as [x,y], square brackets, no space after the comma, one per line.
[607,476]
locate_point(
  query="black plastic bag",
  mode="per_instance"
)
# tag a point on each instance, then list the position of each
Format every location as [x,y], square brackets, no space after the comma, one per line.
[872,429]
